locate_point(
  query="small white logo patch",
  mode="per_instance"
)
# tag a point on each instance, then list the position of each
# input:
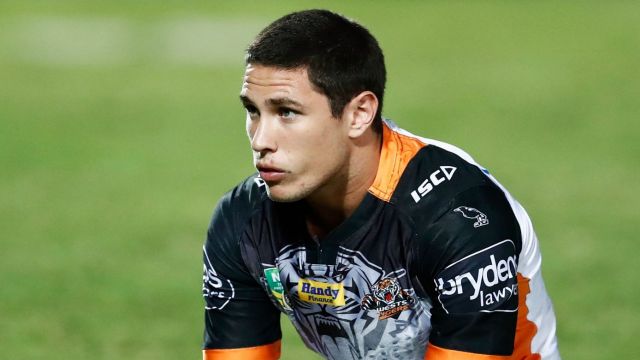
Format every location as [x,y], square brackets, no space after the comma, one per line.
[445,173]
[259,182]
[216,290]
[474,214]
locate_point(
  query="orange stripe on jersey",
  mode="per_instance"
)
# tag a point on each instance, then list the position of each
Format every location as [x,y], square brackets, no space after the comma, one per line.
[397,150]
[525,329]
[438,353]
[263,352]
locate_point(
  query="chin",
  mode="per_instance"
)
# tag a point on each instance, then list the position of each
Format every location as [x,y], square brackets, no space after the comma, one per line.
[285,194]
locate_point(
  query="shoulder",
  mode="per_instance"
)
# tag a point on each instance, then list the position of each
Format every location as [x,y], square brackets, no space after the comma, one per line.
[420,177]
[238,204]
[222,255]
[245,196]
[232,213]
[434,177]
[455,206]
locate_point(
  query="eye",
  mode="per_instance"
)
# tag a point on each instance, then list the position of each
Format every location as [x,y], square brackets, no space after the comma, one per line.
[287,113]
[252,111]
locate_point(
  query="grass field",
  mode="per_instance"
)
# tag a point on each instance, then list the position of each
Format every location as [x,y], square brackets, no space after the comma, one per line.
[120,128]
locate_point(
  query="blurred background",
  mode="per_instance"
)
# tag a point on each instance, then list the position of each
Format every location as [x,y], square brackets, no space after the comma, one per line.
[120,128]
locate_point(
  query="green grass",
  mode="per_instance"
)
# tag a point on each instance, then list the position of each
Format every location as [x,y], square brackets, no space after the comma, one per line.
[116,142]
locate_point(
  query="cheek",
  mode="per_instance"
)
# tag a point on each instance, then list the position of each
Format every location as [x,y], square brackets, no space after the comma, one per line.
[324,157]
[316,149]
[327,139]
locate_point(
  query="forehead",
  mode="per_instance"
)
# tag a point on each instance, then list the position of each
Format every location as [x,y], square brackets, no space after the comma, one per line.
[269,81]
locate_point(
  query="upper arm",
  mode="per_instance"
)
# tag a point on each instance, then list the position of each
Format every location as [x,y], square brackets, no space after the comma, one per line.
[470,273]
[240,320]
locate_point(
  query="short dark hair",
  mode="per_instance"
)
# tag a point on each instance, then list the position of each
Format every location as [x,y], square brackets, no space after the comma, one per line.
[341,56]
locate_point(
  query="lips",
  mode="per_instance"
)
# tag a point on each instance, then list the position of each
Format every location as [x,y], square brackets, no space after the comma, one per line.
[270,174]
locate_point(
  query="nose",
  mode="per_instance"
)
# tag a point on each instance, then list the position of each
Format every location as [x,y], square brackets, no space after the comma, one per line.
[262,134]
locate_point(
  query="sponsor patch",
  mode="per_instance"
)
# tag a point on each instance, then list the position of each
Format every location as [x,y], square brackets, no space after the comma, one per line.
[474,214]
[388,298]
[272,275]
[485,281]
[321,293]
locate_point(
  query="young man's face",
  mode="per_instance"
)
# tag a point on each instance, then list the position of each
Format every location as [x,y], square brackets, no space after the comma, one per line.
[299,148]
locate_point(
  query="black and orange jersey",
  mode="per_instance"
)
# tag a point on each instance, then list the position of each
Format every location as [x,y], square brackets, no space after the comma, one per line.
[437,262]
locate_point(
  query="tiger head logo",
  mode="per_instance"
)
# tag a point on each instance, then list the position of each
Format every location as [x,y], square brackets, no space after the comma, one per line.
[386,290]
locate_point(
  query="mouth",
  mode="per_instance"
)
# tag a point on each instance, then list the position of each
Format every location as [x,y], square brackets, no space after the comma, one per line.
[388,297]
[270,174]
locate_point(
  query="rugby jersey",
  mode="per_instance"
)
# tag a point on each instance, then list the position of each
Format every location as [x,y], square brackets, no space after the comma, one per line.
[437,262]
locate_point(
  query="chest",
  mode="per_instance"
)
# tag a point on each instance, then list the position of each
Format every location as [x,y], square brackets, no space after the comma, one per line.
[352,308]
[350,295]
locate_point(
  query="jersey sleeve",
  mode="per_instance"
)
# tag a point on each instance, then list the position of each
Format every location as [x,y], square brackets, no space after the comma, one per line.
[468,267]
[240,320]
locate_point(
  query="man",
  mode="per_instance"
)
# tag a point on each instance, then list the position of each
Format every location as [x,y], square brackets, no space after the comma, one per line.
[375,243]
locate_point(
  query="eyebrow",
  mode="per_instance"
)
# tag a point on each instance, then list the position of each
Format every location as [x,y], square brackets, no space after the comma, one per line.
[283,101]
[245,100]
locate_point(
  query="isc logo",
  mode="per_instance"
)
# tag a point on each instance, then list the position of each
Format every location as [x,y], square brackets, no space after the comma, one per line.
[435,179]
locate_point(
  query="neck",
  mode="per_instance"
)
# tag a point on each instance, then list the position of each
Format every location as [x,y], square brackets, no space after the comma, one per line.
[331,205]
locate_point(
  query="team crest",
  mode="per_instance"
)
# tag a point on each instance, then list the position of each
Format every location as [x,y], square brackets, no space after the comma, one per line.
[388,298]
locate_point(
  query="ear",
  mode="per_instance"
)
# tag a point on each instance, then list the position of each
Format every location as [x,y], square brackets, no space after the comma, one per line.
[360,112]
